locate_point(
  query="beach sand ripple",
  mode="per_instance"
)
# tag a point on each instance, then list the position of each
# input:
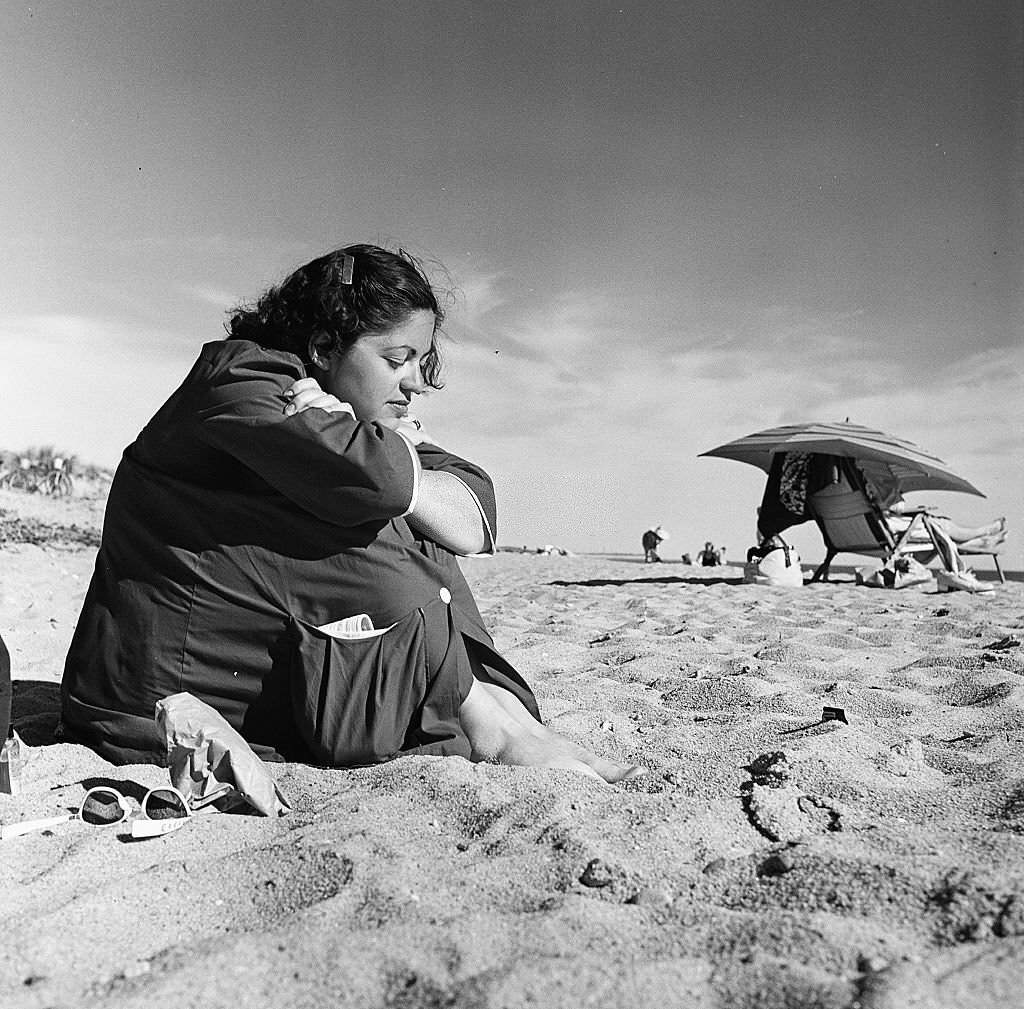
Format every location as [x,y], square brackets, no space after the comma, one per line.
[770,857]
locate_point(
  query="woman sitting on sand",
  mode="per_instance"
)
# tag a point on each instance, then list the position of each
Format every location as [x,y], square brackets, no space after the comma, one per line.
[281,541]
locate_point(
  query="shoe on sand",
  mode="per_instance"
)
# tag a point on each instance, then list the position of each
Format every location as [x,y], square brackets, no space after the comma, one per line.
[965,581]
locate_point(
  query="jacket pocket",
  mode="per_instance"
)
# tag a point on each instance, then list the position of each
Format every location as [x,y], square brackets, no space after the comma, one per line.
[354,698]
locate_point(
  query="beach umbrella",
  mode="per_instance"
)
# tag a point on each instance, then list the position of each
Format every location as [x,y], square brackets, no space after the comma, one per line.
[882,457]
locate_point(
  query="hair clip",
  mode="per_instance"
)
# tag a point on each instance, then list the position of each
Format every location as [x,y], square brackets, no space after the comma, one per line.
[347,264]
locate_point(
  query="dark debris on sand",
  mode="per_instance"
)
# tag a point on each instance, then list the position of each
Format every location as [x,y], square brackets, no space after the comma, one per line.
[14,529]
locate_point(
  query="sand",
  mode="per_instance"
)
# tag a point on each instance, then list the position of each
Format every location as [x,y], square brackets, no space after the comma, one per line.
[768,858]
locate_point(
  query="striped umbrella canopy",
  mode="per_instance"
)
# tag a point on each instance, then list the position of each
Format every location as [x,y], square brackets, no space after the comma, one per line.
[883,458]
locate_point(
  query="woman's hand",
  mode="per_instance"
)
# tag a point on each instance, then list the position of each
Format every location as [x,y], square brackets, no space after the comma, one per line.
[306,394]
[412,430]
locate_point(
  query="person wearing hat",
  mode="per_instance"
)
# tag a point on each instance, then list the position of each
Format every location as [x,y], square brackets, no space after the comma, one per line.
[650,541]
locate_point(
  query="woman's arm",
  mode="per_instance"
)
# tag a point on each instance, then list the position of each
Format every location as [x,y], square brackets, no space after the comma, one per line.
[323,460]
[447,513]
[446,509]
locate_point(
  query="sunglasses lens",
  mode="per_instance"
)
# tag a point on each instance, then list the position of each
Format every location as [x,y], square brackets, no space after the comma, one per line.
[164,804]
[102,806]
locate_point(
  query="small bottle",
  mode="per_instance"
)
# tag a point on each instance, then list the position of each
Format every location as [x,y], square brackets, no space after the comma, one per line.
[12,759]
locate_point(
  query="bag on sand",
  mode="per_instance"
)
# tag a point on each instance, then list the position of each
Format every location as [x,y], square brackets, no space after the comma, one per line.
[204,753]
[898,572]
[779,566]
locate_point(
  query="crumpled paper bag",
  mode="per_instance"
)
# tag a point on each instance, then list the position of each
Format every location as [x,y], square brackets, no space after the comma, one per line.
[204,753]
[900,572]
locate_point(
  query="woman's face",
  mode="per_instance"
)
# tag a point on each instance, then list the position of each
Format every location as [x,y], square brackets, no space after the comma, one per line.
[381,372]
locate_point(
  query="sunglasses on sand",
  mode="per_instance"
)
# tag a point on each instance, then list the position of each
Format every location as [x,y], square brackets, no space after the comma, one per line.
[164,809]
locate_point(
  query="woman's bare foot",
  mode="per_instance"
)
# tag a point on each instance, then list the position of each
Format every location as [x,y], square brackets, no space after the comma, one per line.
[501,730]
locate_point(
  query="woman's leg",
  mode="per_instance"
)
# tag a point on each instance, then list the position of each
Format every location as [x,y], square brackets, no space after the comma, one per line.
[982,544]
[501,730]
[961,534]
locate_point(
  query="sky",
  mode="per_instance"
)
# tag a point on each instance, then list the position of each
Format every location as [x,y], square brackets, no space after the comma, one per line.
[658,227]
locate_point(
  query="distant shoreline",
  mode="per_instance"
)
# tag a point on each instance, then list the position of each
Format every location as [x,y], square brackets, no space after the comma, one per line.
[839,572]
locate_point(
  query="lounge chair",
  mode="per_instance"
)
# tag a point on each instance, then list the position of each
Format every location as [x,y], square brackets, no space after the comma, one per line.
[924,549]
[850,522]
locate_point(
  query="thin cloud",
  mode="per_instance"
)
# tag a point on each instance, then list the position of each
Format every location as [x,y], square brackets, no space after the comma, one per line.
[218,297]
[477,296]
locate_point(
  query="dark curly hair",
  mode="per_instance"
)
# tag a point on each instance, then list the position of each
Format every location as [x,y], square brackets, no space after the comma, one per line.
[386,289]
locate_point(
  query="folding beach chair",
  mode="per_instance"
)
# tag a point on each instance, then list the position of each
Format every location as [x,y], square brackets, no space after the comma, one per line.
[850,522]
[976,548]
[924,546]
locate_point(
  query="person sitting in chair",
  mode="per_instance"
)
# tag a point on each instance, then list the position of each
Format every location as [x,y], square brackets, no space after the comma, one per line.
[949,538]
[899,516]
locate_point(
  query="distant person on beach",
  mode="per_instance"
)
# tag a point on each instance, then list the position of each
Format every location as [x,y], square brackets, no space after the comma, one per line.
[709,557]
[949,538]
[650,542]
[281,541]
[899,515]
